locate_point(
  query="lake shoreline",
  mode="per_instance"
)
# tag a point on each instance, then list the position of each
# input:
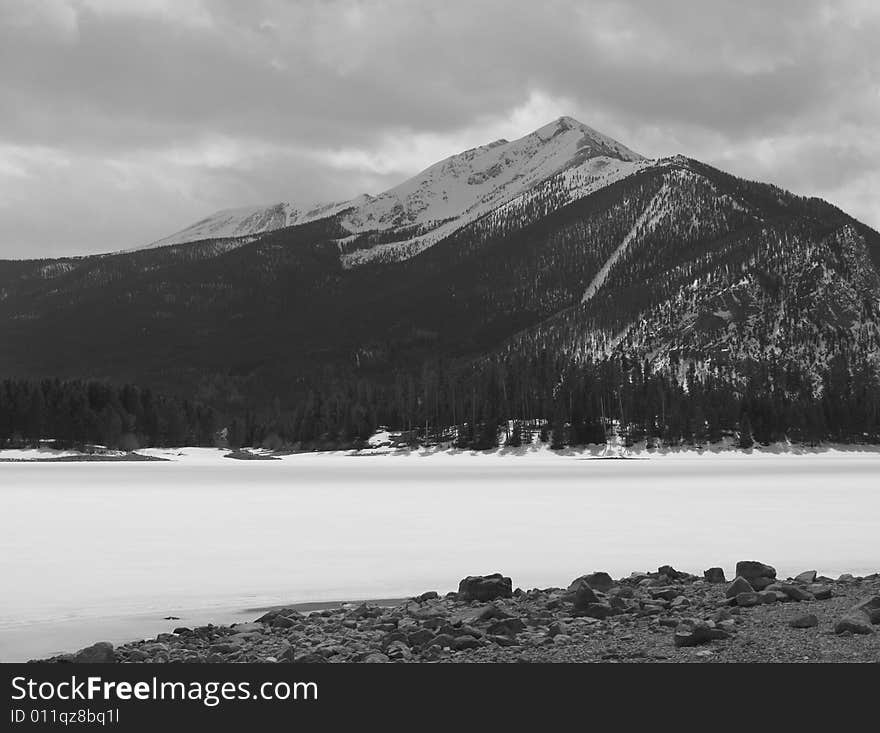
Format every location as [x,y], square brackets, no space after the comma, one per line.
[666,616]
[610,450]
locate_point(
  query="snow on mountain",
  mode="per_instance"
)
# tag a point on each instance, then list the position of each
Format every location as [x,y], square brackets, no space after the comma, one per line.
[447,195]
[464,187]
[250,220]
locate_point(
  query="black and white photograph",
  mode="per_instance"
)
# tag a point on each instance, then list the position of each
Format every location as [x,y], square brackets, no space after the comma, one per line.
[418,332]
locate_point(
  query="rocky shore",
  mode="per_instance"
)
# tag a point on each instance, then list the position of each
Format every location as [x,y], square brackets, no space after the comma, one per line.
[664,616]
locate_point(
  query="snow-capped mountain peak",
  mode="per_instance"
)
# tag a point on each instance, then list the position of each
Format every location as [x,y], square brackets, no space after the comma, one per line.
[483,177]
[445,195]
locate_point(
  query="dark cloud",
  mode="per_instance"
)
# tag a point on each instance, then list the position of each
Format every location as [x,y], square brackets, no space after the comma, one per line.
[122,121]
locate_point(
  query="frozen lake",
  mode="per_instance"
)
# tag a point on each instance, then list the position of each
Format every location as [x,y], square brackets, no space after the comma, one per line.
[92,551]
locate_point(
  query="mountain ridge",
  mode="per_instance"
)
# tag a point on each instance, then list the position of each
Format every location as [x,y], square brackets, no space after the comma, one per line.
[454,188]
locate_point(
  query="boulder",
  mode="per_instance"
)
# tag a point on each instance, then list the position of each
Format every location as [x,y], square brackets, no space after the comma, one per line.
[794,592]
[102,652]
[582,594]
[599,581]
[692,632]
[284,622]
[420,638]
[871,609]
[669,571]
[854,622]
[806,577]
[739,585]
[820,592]
[506,627]
[747,599]
[485,588]
[714,575]
[807,621]
[557,628]
[665,594]
[767,596]
[442,640]
[758,574]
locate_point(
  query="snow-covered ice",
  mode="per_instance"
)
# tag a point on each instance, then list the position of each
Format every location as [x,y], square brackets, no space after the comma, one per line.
[106,550]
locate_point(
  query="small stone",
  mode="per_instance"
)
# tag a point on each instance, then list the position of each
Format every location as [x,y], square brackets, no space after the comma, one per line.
[502,640]
[398,650]
[102,652]
[557,628]
[311,658]
[376,658]
[806,621]
[598,610]
[222,647]
[714,575]
[461,643]
[692,632]
[248,628]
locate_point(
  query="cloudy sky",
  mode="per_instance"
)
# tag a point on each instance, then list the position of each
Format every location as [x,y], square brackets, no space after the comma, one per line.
[123,121]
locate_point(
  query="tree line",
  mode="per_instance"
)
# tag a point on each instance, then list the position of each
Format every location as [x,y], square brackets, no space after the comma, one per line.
[478,405]
[78,414]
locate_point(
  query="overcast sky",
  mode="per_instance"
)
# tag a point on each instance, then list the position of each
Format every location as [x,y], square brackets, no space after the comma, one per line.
[123,121]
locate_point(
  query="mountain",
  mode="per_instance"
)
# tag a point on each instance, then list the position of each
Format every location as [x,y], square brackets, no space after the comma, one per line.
[557,277]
